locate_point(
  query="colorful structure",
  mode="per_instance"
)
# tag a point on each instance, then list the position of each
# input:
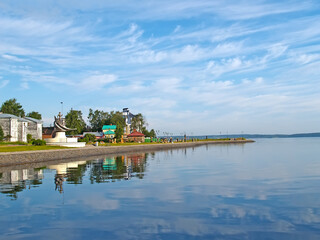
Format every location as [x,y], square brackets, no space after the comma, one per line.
[109,131]
[109,164]
[136,136]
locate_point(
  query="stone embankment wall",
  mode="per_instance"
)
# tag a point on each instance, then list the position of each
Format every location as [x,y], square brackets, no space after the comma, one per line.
[7,159]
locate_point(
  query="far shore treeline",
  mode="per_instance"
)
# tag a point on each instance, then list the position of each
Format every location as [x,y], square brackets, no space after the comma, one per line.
[74,119]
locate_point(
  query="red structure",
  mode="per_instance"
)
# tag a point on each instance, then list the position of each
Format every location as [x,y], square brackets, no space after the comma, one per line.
[136,136]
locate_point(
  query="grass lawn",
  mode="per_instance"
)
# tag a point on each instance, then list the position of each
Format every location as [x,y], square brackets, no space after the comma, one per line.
[20,148]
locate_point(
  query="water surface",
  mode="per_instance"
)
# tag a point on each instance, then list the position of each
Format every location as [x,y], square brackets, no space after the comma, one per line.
[263,190]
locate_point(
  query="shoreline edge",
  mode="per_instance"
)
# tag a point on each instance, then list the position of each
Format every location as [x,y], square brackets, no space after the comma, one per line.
[26,157]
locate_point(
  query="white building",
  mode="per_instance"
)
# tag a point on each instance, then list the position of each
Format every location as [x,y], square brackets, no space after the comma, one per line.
[17,128]
[34,127]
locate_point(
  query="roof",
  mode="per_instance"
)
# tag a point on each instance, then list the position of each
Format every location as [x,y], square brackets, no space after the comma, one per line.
[109,127]
[97,134]
[33,119]
[136,134]
[6,115]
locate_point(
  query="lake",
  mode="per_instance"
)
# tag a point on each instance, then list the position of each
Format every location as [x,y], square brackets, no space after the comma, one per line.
[269,189]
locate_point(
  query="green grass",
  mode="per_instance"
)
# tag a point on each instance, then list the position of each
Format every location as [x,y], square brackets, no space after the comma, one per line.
[13,143]
[6,148]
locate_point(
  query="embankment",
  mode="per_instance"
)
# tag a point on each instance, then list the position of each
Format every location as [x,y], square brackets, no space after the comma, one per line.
[27,157]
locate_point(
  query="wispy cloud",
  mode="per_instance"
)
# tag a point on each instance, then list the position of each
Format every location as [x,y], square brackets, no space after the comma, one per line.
[96,82]
[4,83]
[12,58]
[184,60]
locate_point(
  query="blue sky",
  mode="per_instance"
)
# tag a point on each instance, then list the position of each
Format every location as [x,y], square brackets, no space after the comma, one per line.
[200,67]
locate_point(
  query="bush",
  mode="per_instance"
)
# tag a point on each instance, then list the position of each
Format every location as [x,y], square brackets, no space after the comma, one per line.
[1,134]
[29,138]
[38,142]
[88,138]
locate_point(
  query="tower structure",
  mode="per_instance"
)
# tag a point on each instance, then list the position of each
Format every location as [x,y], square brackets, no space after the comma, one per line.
[127,115]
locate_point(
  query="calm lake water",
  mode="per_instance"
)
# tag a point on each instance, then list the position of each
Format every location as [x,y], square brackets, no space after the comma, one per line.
[269,189]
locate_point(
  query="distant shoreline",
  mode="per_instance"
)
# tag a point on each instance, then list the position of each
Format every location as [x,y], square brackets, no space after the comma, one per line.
[17,158]
[252,136]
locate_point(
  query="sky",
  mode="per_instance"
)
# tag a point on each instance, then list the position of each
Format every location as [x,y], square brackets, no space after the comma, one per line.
[196,67]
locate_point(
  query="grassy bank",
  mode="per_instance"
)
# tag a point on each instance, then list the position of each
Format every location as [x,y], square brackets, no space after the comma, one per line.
[20,148]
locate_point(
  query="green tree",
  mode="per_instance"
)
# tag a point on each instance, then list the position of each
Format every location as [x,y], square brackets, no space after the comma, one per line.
[117,119]
[88,138]
[34,115]
[74,120]
[147,133]
[138,122]
[11,106]
[97,119]
[1,134]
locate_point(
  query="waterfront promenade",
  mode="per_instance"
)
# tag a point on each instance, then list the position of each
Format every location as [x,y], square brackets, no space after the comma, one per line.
[16,158]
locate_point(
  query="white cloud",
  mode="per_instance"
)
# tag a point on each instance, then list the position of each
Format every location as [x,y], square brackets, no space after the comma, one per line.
[4,83]
[177,29]
[24,85]
[12,58]
[227,65]
[208,64]
[307,58]
[275,51]
[148,56]
[96,82]
[249,10]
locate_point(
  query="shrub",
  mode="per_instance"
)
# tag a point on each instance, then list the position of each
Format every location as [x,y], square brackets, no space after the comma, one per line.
[1,134]
[38,142]
[7,138]
[88,138]
[29,138]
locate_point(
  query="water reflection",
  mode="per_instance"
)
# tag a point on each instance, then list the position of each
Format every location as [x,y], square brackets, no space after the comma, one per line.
[108,169]
[14,181]
[123,167]
[266,190]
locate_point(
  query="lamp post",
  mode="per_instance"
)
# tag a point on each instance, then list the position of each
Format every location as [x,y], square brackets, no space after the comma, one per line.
[61,108]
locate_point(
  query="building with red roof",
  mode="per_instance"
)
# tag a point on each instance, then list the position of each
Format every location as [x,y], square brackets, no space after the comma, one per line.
[136,136]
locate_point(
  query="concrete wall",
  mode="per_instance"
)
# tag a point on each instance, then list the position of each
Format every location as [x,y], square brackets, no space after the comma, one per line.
[23,134]
[39,131]
[5,124]
[17,130]
[35,129]
[14,130]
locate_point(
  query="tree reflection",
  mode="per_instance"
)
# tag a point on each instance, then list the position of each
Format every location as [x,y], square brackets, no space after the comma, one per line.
[124,167]
[108,169]
[14,181]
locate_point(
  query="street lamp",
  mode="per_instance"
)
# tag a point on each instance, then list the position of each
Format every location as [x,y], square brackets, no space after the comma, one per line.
[61,108]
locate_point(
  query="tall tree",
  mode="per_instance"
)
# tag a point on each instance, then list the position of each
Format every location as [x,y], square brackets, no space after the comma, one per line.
[97,119]
[74,120]
[117,119]
[34,115]
[11,106]
[138,122]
